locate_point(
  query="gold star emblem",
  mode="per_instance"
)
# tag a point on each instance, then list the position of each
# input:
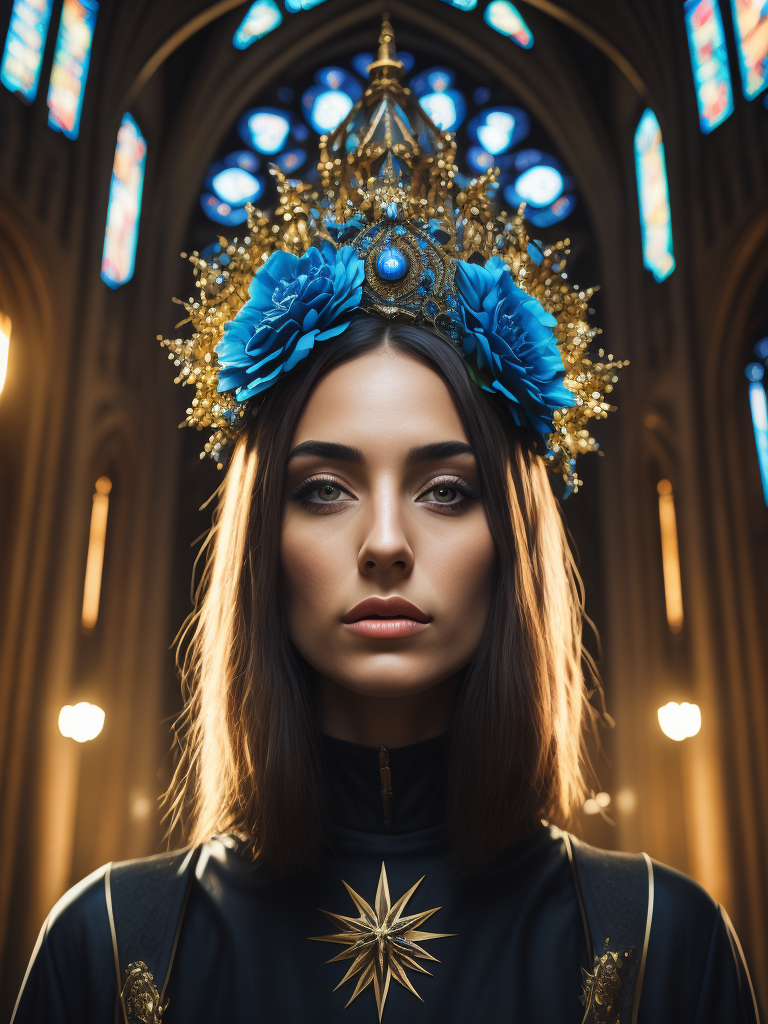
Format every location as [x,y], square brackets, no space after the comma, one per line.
[382,943]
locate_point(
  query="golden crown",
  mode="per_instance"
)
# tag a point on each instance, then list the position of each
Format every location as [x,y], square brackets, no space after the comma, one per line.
[387,187]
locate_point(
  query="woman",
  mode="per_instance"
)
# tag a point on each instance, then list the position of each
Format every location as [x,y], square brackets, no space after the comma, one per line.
[386,667]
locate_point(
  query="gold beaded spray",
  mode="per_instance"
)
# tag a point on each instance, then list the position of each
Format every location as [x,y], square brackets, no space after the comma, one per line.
[388,163]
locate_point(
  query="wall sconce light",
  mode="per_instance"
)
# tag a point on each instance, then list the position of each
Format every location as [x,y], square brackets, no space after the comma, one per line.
[679,721]
[82,722]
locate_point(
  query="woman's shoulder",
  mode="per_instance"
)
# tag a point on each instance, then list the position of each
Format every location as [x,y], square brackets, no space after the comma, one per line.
[73,963]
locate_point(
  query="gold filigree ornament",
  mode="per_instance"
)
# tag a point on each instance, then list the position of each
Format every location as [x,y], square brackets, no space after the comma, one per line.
[388,178]
[382,942]
[602,987]
[139,998]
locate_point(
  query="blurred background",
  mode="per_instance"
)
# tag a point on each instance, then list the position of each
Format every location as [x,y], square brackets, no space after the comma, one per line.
[132,132]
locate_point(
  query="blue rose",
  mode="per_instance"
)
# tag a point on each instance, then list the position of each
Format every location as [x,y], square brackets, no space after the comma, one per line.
[509,345]
[295,301]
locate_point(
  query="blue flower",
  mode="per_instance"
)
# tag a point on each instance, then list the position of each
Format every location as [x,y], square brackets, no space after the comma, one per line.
[509,345]
[295,301]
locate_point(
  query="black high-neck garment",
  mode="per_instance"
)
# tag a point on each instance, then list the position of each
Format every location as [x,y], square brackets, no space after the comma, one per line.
[515,953]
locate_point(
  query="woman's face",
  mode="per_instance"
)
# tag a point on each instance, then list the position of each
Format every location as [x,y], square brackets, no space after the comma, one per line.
[386,552]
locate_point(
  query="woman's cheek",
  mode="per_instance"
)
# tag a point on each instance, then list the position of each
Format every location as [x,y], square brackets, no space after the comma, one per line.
[314,567]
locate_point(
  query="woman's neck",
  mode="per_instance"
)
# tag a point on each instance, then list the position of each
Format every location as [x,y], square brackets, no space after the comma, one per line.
[394,721]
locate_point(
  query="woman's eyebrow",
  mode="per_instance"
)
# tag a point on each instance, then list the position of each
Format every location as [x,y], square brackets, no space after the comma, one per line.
[327,450]
[438,450]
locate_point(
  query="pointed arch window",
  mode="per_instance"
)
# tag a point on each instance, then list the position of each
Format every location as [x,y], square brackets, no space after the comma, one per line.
[71,60]
[750,23]
[758,407]
[709,62]
[653,197]
[25,46]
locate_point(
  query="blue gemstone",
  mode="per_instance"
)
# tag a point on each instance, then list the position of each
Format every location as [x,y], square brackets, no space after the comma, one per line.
[431,308]
[391,265]
[400,229]
[391,210]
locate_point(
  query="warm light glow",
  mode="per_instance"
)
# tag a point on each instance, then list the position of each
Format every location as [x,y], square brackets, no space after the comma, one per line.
[626,800]
[95,563]
[5,344]
[679,721]
[597,803]
[670,556]
[82,722]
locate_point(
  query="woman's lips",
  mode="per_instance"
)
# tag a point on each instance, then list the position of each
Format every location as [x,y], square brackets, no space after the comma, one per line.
[386,618]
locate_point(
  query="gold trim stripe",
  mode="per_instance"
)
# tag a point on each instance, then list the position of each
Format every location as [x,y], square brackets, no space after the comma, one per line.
[649,918]
[110,914]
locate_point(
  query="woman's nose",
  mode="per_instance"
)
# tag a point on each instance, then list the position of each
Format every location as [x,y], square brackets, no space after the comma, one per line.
[386,549]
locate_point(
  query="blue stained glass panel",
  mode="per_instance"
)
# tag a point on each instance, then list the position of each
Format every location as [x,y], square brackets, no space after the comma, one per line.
[758,405]
[262,18]
[709,62]
[294,6]
[70,65]
[122,231]
[653,197]
[750,23]
[24,46]
[504,17]
[265,128]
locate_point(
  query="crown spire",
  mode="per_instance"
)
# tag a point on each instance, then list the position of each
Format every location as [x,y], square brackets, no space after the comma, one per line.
[386,69]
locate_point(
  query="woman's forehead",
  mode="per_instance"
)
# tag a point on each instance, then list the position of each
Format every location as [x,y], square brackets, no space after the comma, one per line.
[381,398]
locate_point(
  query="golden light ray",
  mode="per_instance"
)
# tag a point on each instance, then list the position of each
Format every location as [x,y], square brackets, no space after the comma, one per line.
[382,942]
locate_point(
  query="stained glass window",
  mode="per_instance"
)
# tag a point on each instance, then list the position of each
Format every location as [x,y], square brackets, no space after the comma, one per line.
[505,18]
[265,128]
[750,22]
[285,131]
[293,6]
[709,61]
[445,105]
[262,18]
[122,232]
[653,197]
[24,46]
[758,406]
[70,65]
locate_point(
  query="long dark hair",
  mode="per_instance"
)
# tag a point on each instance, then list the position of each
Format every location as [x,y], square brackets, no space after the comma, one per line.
[250,761]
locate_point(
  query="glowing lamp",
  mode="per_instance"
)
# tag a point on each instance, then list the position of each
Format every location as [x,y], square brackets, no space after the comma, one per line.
[81,722]
[679,721]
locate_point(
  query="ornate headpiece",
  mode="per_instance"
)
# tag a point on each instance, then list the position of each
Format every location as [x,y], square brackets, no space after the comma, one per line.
[390,230]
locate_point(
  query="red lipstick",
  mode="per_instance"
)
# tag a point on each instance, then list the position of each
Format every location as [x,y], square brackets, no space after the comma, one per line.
[386,618]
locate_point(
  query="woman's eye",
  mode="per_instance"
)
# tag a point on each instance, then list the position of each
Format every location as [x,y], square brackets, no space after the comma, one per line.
[328,492]
[443,495]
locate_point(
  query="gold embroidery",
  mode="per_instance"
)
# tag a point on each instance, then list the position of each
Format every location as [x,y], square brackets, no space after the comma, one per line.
[140,999]
[602,987]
